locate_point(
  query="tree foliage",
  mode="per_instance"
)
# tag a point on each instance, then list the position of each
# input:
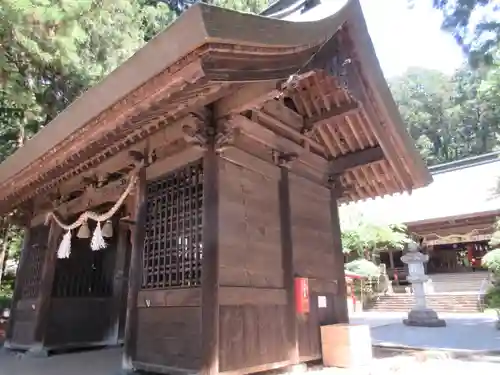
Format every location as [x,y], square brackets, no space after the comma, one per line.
[362,238]
[475,25]
[450,117]
[363,267]
[492,259]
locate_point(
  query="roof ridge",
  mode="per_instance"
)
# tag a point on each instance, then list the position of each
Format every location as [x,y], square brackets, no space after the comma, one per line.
[469,162]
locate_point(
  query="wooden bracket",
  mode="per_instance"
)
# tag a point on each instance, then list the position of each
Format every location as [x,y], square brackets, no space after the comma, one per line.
[284,159]
[335,185]
[222,136]
[251,95]
[225,138]
[198,137]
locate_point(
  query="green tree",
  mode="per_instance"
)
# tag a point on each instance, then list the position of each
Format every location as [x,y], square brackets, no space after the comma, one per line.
[364,239]
[475,25]
[450,117]
[423,97]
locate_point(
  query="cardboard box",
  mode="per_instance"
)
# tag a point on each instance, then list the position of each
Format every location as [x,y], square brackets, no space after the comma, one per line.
[346,345]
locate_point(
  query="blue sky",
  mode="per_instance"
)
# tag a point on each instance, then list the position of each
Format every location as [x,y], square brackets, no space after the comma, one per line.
[403,37]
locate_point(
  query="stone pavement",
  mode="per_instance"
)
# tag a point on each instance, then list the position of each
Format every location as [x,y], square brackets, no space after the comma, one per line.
[96,362]
[464,332]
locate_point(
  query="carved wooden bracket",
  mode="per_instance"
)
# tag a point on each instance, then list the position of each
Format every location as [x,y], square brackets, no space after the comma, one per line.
[222,137]
[335,185]
[284,159]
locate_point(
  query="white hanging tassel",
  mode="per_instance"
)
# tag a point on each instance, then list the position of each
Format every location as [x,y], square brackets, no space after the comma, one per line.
[65,246]
[97,242]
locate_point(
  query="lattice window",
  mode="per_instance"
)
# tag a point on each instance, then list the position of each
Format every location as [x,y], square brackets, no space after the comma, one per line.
[173,244]
[86,273]
[33,266]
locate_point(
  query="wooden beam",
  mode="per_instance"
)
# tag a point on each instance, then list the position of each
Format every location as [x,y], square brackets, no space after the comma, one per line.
[272,122]
[165,136]
[332,115]
[277,109]
[90,198]
[253,147]
[251,95]
[276,142]
[355,159]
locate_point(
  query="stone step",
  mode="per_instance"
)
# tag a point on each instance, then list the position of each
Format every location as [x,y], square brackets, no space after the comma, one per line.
[440,303]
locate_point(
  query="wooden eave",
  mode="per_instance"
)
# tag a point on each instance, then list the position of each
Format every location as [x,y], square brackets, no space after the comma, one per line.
[477,218]
[356,136]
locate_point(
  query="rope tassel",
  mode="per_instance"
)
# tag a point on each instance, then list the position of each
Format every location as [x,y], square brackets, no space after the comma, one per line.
[97,242]
[65,246]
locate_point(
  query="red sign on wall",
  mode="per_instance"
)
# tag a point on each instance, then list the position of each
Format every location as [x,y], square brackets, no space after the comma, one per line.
[302,303]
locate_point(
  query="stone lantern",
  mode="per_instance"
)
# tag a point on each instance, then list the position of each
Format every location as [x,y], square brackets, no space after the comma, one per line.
[420,315]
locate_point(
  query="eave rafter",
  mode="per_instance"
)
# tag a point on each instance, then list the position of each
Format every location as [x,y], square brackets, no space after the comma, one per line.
[355,160]
[331,116]
[317,121]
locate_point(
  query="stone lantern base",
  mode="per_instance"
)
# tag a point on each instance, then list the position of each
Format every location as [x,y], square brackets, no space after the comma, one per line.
[424,318]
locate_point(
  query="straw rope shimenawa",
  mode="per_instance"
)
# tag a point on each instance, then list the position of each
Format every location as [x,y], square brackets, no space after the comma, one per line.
[97,242]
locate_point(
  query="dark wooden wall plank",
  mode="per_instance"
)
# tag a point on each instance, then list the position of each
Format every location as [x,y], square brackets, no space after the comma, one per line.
[252,336]
[238,296]
[45,292]
[288,264]
[188,297]
[169,337]
[80,322]
[250,237]
[315,258]
[10,334]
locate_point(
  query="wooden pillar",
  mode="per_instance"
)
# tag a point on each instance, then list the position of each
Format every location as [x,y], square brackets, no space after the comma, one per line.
[391,259]
[119,281]
[135,272]
[288,264]
[340,299]
[45,291]
[18,282]
[210,265]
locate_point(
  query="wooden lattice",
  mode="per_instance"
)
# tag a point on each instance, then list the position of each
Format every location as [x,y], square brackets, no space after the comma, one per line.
[173,244]
[86,273]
